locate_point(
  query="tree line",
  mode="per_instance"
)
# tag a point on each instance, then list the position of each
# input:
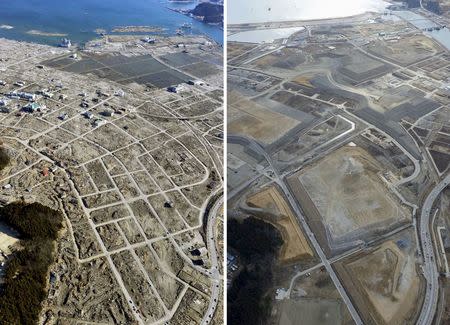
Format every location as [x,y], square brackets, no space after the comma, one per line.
[257,244]
[27,270]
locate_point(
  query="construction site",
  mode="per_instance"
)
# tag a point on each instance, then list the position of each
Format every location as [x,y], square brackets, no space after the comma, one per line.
[272,207]
[346,122]
[314,299]
[361,205]
[385,280]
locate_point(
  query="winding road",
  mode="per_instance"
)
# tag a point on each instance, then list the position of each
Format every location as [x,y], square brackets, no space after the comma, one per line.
[430,269]
[294,204]
[216,278]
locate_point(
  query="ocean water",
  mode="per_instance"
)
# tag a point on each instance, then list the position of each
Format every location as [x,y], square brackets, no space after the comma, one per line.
[442,35]
[80,18]
[258,11]
[263,35]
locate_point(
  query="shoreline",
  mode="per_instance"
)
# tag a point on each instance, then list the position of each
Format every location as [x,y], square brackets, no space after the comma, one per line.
[37,32]
[360,12]
[96,33]
[186,13]
[236,28]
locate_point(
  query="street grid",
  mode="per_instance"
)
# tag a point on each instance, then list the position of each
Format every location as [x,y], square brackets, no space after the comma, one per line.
[166,160]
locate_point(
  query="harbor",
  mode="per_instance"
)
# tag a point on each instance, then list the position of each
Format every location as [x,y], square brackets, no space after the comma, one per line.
[80,21]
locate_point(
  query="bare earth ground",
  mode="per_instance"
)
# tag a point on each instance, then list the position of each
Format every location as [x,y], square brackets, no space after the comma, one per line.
[315,301]
[386,285]
[257,122]
[276,211]
[132,186]
[348,193]
[7,238]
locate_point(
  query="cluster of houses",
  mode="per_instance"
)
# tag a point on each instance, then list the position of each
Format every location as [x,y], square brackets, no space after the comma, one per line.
[33,106]
[180,87]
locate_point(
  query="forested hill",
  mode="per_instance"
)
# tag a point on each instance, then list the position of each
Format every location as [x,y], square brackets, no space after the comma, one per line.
[27,270]
[211,13]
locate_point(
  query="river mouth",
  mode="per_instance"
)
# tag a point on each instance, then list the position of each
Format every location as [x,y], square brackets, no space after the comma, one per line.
[439,33]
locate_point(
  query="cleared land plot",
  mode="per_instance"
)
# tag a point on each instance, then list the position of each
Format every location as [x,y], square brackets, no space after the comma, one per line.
[315,300]
[441,160]
[142,69]
[109,213]
[131,231]
[82,181]
[360,67]
[311,312]
[85,241]
[318,136]
[398,96]
[276,210]
[301,103]
[168,287]
[99,175]
[104,134]
[235,49]
[146,219]
[406,50]
[348,193]
[285,59]
[258,122]
[138,286]
[384,283]
[111,236]
[201,69]
[126,187]
[168,215]
[98,200]
[179,59]
[160,79]
[139,68]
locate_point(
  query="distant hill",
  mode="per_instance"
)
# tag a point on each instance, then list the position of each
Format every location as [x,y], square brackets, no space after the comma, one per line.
[211,12]
[413,3]
[434,7]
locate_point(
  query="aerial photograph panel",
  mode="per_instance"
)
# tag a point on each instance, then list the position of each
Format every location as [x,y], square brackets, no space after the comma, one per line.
[111,162]
[338,153]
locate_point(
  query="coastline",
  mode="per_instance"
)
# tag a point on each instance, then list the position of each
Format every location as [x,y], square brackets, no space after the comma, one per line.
[263,11]
[237,28]
[186,13]
[45,30]
[47,34]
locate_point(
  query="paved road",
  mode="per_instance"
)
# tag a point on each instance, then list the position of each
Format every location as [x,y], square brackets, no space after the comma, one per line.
[215,274]
[326,263]
[430,269]
[321,254]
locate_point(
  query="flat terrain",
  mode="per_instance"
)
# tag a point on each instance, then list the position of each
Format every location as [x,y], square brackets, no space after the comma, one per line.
[95,134]
[276,211]
[348,193]
[387,281]
[405,50]
[314,300]
[253,120]
[370,98]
